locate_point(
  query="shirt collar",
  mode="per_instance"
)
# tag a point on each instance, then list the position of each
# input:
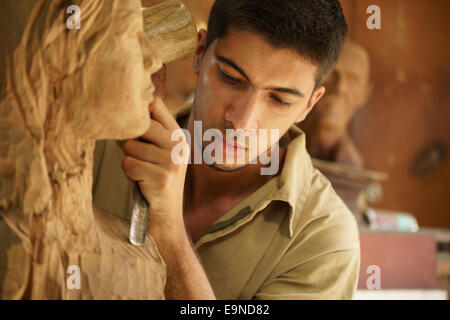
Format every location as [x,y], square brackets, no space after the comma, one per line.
[295,179]
[292,186]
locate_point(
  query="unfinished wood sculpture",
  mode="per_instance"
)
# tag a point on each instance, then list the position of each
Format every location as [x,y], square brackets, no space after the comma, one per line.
[62,90]
[348,89]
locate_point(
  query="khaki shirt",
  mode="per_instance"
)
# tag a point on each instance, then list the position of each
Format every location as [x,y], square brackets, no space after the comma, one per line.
[293,238]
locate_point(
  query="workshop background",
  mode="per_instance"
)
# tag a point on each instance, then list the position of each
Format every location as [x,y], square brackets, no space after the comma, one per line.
[402,131]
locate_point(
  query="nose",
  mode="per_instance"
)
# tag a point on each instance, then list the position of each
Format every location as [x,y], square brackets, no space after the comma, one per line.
[152,62]
[243,111]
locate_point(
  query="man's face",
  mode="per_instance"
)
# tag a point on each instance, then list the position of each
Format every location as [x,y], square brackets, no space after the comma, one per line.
[245,83]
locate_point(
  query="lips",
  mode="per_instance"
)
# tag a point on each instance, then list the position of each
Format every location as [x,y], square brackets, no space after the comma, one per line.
[235,147]
[148,93]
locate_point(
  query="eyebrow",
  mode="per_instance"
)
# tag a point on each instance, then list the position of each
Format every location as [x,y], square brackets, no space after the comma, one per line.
[232,64]
[294,92]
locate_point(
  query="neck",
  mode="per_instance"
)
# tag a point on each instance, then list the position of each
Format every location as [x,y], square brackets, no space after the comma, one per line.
[205,183]
[70,164]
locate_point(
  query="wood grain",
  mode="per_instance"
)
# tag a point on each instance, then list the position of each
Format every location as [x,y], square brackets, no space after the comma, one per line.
[64,90]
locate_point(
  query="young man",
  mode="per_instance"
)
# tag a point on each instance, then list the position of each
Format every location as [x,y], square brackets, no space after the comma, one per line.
[225,230]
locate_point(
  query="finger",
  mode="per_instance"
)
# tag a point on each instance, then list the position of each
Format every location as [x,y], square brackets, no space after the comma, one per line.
[158,135]
[146,152]
[138,170]
[162,114]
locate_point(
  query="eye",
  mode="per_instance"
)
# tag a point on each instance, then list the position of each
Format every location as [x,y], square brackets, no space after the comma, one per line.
[279,102]
[227,78]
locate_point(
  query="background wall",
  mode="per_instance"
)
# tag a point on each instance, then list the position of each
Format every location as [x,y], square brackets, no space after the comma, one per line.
[410,105]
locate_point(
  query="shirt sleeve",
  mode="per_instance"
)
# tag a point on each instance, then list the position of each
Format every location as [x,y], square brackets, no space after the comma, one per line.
[330,276]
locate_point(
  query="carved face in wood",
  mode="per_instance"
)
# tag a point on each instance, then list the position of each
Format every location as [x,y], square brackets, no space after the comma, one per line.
[65,87]
[348,89]
[108,96]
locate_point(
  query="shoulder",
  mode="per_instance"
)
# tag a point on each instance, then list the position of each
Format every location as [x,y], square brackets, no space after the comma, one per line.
[324,215]
[322,258]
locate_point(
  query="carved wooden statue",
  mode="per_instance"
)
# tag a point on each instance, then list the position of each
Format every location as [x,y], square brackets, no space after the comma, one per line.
[61,90]
[348,89]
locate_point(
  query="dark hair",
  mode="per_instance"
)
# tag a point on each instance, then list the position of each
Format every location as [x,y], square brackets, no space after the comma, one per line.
[316,29]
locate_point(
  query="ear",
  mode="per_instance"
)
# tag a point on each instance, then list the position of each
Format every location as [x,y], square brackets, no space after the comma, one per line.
[202,35]
[317,94]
